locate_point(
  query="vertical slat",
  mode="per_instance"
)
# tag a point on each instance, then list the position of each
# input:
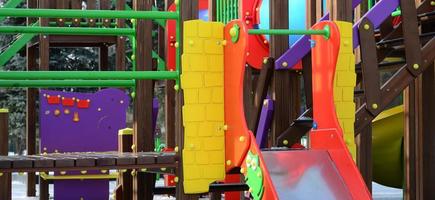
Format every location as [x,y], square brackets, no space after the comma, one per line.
[364,157]
[120,41]
[143,183]
[248,93]
[43,189]
[30,107]
[105,5]
[5,178]
[76,5]
[281,79]
[91,5]
[61,4]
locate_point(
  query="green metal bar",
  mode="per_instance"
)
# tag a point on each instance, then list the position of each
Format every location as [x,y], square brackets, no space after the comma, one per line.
[6,55]
[160,22]
[75,13]
[88,75]
[66,83]
[10,4]
[285,32]
[82,24]
[66,30]
[325,32]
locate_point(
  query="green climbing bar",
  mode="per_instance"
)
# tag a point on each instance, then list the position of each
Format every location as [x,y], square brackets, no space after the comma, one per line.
[325,32]
[66,30]
[75,13]
[88,75]
[66,83]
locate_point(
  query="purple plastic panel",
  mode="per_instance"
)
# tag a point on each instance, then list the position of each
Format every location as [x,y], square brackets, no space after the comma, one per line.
[377,15]
[305,174]
[265,122]
[95,129]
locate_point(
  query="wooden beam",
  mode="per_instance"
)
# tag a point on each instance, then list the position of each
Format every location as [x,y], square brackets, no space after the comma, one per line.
[212,10]
[5,179]
[143,183]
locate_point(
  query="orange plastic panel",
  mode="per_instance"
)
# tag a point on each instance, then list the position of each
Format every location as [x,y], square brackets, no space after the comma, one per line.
[258,45]
[329,135]
[237,136]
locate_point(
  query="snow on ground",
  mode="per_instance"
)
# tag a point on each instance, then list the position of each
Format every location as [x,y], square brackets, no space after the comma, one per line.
[19,190]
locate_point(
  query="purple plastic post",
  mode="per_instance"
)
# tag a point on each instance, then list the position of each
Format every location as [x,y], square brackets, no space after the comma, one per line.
[265,122]
[65,128]
[377,15]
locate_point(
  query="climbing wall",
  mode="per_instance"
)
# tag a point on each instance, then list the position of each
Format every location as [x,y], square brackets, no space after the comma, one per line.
[202,80]
[344,84]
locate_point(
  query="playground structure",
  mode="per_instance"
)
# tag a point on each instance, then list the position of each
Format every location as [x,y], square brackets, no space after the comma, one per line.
[227,85]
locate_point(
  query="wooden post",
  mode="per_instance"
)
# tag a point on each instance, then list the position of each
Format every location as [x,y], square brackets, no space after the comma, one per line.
[125,140]
[30,108]
[44,60]
[5,178]
[189,11]
[282,88]
[143,136]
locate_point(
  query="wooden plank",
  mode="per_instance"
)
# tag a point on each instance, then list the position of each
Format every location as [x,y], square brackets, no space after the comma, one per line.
[411,36]
[5,178]
[281,91]
[369,66]
[143,134]
[264,81]
[43,189]
[248,93]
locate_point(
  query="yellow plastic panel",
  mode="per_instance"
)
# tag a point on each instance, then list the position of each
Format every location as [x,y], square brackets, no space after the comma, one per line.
[344,83]
[203,111]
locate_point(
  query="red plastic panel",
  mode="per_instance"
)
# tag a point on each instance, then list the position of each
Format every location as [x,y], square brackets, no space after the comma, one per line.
[237,135]
[329,135]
